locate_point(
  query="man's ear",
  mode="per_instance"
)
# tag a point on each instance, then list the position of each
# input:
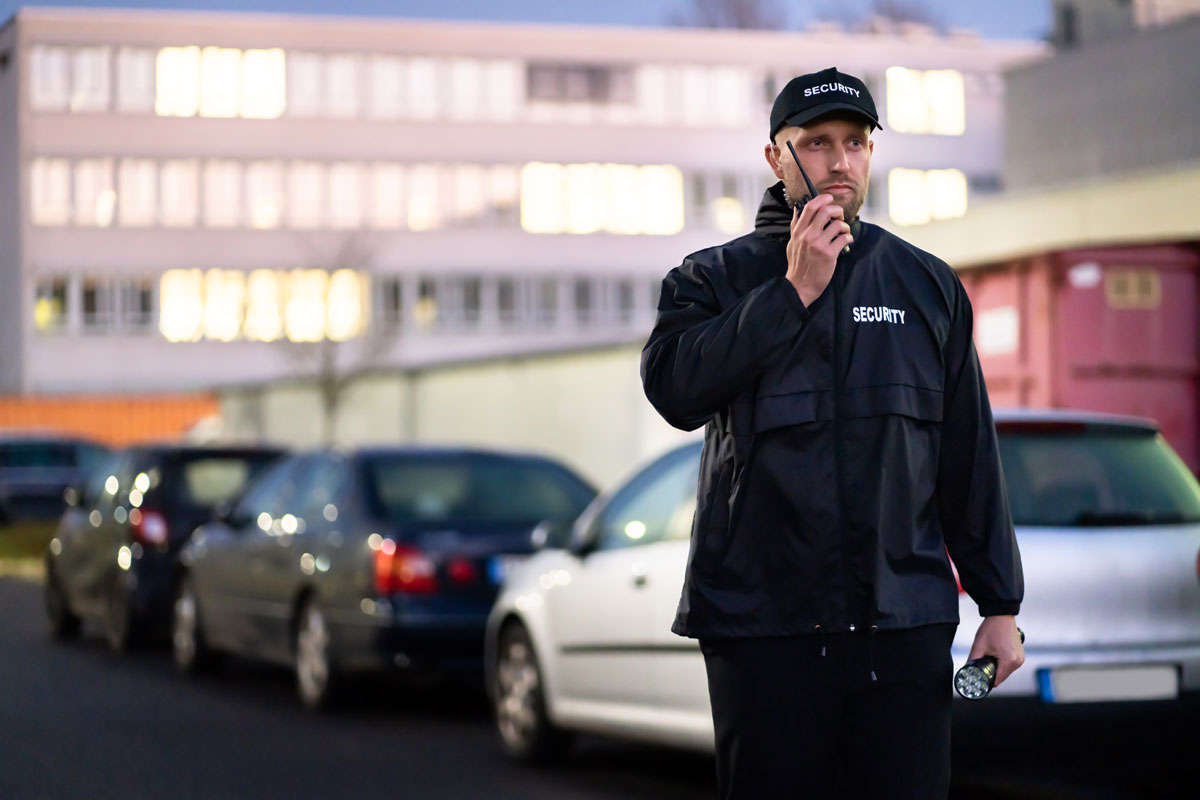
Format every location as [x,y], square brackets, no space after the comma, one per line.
[772,152]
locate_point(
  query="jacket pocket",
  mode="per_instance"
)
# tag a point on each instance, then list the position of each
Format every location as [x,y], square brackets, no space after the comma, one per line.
[793,408]
[715,534]
[893,399]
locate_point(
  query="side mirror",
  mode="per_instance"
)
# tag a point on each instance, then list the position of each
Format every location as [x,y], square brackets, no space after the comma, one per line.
[222,511]
[551,534]
[71,496]
[583,540]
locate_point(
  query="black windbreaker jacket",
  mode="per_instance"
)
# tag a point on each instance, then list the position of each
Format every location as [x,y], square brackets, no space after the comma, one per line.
[848,444]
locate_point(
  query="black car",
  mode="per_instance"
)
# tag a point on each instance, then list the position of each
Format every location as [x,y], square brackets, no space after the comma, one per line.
[115,555]
[36,468]
[336,562]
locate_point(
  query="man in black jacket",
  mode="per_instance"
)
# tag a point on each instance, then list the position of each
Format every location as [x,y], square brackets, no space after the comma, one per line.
[849,446]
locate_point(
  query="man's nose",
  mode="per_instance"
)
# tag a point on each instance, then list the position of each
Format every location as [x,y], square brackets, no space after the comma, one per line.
[838,159]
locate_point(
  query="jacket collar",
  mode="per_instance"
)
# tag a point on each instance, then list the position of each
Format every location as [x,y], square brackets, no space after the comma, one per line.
[774,216]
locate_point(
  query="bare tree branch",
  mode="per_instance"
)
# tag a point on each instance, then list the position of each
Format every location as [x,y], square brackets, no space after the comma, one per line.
[739,14]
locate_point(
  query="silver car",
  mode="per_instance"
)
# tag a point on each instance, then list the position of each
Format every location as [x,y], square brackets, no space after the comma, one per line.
[1108,522]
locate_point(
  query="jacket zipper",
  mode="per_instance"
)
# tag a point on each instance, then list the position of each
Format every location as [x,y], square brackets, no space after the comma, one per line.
[838,453]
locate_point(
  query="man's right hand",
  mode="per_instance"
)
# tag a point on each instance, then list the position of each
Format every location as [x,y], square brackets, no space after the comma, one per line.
[813,249]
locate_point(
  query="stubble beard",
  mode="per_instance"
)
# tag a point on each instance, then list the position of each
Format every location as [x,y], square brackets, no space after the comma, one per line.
[850,207]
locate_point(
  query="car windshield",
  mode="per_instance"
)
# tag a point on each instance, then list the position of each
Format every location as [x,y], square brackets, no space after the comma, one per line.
[38,455]
[1095,475]
[432,488]
[203,481]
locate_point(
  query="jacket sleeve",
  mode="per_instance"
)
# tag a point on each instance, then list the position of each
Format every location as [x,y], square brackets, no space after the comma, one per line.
[700,355]
[972,498]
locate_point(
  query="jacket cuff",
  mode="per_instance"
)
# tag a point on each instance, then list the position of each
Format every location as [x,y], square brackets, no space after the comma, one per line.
[794,298]
[999,609]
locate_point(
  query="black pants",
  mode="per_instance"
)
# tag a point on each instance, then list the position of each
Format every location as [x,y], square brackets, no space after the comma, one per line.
[791,723]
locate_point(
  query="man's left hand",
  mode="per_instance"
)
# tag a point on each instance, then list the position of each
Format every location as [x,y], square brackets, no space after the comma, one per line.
[998,637]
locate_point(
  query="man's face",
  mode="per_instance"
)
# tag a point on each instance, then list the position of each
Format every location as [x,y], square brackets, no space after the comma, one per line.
[836,153]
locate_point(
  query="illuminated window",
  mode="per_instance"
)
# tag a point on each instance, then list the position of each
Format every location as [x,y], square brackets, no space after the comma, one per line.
[344,318]
[466,85]
[136,298]
[181,305]
[220,81]
[929,101]
[304,312]
[137,192]
[617,198]
[426,313]
[222,194]
[424,206]
[422,85]
[264,306]
[305,84]
[345,196]
[50,305]
[503,89]
[264,194]
[135,79]
[306,194]
[90,88]
[179,190]
[49,78]
[1132,288]
[50,191]
[95,199]
[341,86]
[730,96]
[918,196]
[387,196]
[98,304]
[385,97]
[177,82]
[224,304]
[264,84]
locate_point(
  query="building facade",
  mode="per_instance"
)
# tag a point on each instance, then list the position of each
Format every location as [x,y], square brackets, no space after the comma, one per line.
[199,199]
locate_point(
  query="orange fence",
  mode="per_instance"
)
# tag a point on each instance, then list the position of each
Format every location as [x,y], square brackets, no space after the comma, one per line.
[113,419]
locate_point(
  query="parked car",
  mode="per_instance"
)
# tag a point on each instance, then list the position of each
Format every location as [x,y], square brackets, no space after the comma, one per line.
[373,559]
[115,555]
[37,467]
[1107,519]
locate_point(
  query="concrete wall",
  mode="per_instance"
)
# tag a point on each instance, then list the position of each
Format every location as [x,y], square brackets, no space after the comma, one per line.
[13,293]
[586,408]
[1129,104]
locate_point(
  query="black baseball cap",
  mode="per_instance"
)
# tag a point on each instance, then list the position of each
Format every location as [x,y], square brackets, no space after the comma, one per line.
[819,93]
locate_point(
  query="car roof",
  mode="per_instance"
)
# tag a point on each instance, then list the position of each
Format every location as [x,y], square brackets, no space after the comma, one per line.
[43,436]
[1050,416]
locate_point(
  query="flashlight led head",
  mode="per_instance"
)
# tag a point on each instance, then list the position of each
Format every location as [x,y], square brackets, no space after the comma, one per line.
[976,678]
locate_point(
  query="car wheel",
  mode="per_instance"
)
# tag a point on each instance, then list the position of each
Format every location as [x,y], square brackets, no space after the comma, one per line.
[63,622]
[192,653]
[520,702]
[120,627]
[315,678]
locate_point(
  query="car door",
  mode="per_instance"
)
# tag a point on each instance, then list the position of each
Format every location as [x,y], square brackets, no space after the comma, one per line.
[608,612]
[78,535]
[230,562]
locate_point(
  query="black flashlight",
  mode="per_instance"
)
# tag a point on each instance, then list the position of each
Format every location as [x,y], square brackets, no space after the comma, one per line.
[977,677]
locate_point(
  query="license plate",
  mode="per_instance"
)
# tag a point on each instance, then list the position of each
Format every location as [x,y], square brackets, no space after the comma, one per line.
[500,567]
[1100,684]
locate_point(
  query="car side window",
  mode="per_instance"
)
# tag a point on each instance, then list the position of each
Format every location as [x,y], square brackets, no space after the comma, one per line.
[264,499]
[93,484]
[319,489]
[651,508]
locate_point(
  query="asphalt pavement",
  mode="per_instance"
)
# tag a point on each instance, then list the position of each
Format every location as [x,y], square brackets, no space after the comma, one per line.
[77,721]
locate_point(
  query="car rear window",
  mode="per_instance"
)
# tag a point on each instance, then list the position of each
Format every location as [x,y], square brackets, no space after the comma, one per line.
[407,488]
[37,454]
[1090,475]
[204,481]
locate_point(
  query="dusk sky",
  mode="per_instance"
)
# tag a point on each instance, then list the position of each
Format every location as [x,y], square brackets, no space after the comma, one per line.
[1014,19]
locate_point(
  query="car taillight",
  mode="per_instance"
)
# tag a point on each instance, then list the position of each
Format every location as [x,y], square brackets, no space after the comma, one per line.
[462,570]
[149,527]
[400,568]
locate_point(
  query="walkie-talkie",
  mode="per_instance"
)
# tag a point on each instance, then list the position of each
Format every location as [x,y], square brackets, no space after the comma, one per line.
[812,190]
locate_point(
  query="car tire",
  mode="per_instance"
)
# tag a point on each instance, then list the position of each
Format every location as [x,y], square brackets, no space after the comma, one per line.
[121,628]
[519,702]
[316,679]
[189,646]
[64,624]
